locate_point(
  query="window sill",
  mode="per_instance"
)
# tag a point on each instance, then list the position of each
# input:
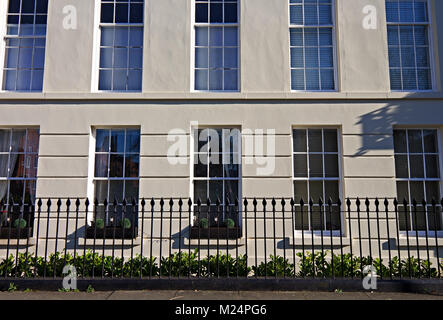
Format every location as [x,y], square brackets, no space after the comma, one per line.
[18,242]
[403,241]
[213,242]
[298,241]
[109,242]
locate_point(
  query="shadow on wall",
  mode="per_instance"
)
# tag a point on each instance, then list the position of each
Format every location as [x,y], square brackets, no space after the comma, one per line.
[378,125]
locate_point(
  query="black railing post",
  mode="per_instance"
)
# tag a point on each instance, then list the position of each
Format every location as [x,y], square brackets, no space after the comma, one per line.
[151,238]
[358,203]
[405,205]
[414,204]
[48,204]
[245,203]
[425,208]
[386,203]
[180,207]
[142,236]
[348,205]
[377,212]
[397,222]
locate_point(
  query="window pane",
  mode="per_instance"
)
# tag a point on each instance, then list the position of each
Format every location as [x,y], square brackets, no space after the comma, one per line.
[415,141]
[118,141]
[216,191]
[315,165]
[417,169]
[301,191]
[432,167]
[331,165]
[131,190]
[116,165]
[300,166]
[299,140]
[101,165]
[101,191]
[417,190]
[330,140]
[430,139]
[132,163]
[400,145]
[133,141]
[200,191]
[116,190]
[401,166]
[315,140]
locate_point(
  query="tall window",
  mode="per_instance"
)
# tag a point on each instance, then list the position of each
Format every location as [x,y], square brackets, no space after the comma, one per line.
[216,45]
[408,41]
[121,47]
[116,176]
[217,176]
[418,177]
[317,176]
[25,45]
[312,45]
[18,177]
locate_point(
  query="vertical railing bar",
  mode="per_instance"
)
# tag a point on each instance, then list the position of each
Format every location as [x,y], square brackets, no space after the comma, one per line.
[85,237]
[265,236]
[68,204]
[171,205]
[134,234]
[414,204]
[348,204]
[367,203]
[425,208]
[59,203]
[37,235]
[9,219]
[48,203]
[95,237]
[434,209]
[386,203]
[151,237]
[273,203]
[358,203]
[180,205]
[254,203]
[397,222]
[340,228]
[284,236]
[114,227]
[322,220]
[77,209]
[28,224]
[189,238]
[332,239]
[293,214]
[405,204]
[218,236]
[162,203]
[106,213]
[142,236]
[226,210]
[123,227]
[311,211]
[245,202]
[377,212]
[20,216]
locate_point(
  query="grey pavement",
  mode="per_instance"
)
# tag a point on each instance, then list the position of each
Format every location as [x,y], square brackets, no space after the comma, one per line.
[212,295]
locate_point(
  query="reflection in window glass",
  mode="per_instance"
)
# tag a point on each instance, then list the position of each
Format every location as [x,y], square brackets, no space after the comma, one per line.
[316,176]
[121,46]
[417,169]
[25,45]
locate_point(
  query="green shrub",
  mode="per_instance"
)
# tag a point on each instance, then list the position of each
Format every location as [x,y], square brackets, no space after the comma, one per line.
[125,223]
[230,223]
[204,223]
[20,223]
[275,266]
[100,223]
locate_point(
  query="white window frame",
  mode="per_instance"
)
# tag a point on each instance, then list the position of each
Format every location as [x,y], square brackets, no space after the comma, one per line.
[325,232]
[7,179]
[431,50]
[430,233]
[4,11]
[334,47]
[192,160]
[195,25]
[97,40]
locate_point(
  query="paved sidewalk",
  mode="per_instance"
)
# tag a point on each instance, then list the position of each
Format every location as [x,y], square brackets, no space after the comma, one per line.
[212,295]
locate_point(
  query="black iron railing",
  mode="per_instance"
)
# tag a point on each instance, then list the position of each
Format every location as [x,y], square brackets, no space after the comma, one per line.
[254,238]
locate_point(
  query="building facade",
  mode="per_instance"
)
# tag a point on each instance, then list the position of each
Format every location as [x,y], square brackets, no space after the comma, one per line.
[314,98]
